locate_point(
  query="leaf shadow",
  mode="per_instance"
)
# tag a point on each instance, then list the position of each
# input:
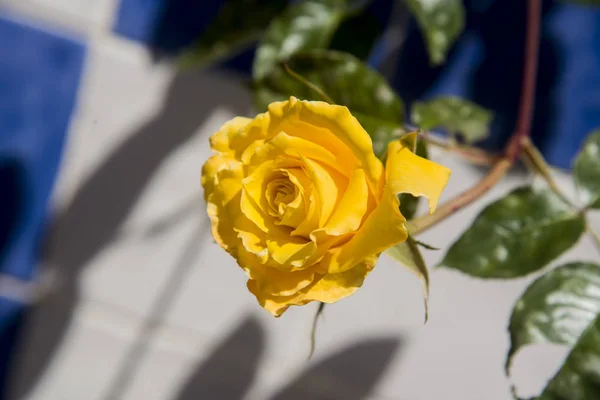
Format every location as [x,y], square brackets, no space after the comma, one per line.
[230,369]
[92,219]
[349,374]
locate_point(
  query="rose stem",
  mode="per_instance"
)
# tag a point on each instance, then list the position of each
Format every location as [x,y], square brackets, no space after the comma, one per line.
[518,139]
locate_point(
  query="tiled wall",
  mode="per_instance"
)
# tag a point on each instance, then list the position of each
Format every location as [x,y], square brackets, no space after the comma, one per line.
[40,75]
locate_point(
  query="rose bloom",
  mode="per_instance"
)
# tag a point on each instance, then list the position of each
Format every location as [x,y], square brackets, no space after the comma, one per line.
[299,199]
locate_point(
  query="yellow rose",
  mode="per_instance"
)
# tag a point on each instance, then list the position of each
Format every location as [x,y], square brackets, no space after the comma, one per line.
[298,198]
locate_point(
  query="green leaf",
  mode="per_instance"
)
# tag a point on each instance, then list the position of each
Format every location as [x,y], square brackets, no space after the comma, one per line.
[236,26]
[441,21]
[309,24]
[407,253]
[579,376]
[381,132]
[516,235]
[587,170]
[556,308]
[456,115]
[346,79]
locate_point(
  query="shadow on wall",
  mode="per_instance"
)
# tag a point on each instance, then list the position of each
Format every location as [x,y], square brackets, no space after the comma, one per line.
[228,373]
[91,222]
[92,219]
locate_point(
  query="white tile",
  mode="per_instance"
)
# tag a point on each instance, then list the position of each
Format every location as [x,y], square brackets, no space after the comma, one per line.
[116,97]
[86,360]
[86,15]
[134,274]
[133,158]
[222,368]
[349,370]
[80,18]
[534,366]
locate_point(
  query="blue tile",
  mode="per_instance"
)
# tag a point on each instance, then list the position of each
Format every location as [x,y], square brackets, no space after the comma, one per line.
[486,66]
[136,19]
[576,94]
[39,78]
[167,25]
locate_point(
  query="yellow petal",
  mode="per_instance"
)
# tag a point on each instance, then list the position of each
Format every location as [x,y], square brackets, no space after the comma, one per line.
[222,182]
[253,201]
[237,135]
[406,172]
[253,211]
[232,128]
[332,127]
[293,146]
[386,226]
[328,289]
[352,207]
[307,212]
[251,237]
[289,252]
[287,197]
[383,228]
[294,212]
[279,193]
[327,184]
[273,281]
[334,287]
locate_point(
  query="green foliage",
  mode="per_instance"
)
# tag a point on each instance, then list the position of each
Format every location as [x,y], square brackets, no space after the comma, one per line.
[346,79]
[587,170]
[239,23]
[579,377]
[408,254]
[516,235]
[557,307]
[442,22]
[381,131]
[457,116]
[305,25]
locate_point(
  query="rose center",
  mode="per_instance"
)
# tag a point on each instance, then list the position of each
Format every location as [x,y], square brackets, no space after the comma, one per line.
[285,200]
[280,193]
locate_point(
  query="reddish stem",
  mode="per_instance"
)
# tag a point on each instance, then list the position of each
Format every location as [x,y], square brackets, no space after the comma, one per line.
[519,137]
[526,109]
